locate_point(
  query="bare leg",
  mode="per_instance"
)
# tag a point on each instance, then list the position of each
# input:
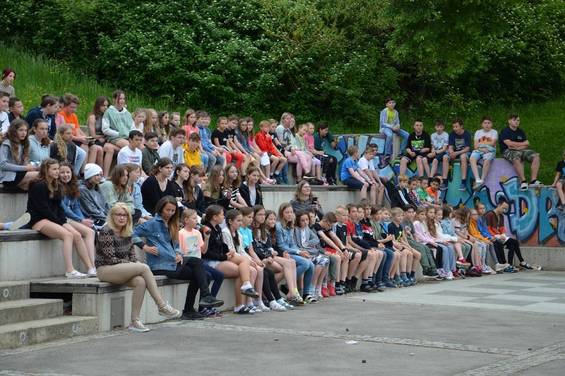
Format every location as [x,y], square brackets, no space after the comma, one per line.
[54,231]
[519,167]
[79,245]
[535,167]
[28,178]
[88,236]
[475,168]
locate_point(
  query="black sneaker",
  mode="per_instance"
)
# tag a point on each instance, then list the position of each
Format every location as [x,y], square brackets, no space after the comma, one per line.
[250,292]
[210,301]
[366,288]
[245,310]
[192,315]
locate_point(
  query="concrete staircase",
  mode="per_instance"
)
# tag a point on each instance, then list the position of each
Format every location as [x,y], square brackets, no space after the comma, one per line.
[25,321]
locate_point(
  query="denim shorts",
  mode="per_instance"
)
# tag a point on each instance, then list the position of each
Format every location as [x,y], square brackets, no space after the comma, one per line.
[487,156]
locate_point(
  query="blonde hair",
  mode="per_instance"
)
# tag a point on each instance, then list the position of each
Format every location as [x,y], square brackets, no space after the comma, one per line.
[396,211]
[402,178]
[128,229]
[61,144]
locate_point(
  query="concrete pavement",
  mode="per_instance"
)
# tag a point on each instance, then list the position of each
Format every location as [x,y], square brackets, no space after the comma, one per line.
[493,325]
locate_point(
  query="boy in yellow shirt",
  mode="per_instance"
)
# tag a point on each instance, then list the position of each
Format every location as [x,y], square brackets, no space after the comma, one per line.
[192,156]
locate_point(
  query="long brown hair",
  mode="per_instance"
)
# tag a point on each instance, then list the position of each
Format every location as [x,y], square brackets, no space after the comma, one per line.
[298,192]
[160,164]
[231,215]
[282,208]
[46,140]
[431,222]
[213,187]
[189,188]
[271,231]
[173,224]
[237,181]
[186,183]
[259,229]
[71,188]
[16,143]
[99,102]
[115,177]
[53,185]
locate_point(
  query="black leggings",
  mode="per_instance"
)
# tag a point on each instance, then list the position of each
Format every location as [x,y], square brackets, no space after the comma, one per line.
[190,270]
[270,286]
[513,249]
[329,166]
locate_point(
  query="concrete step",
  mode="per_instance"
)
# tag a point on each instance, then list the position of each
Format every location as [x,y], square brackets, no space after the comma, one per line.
[38,331]
[13,291]
[29,309]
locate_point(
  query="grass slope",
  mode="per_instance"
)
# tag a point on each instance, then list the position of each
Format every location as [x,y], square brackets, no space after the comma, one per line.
[543,122]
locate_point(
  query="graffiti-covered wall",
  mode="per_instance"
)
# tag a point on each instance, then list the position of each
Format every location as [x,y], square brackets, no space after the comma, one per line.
[533,217]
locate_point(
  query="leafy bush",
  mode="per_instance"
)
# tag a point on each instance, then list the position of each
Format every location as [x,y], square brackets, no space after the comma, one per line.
[333,59]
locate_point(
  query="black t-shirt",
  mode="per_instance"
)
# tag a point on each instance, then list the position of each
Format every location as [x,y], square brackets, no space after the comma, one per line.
[419,142]
[395,230]
[561,168]
[508,134]
[231,134]
[341,232]
[222,136]
[317,228]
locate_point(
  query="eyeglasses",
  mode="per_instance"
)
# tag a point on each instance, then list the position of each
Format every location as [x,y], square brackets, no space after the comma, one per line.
[120,215]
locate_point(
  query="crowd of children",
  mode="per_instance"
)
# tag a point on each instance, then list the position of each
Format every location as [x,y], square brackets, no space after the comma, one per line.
[191,200]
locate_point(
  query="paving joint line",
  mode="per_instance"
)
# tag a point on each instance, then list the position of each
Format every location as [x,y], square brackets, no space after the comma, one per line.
[521,362]
[355,337]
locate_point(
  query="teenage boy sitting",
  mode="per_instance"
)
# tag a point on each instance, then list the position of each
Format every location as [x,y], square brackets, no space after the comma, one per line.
[459,148]
[192,155]
[355,256]
[514,146]
[150,154]
[417,149]
[399,196]
[92,202]
[215,154]
[440,143]
[395,228]
[222,137]
[484,148]
[172,148]
[354,178]
[367,166]
[131,152]
[433,190]
[272,161]
[355,240]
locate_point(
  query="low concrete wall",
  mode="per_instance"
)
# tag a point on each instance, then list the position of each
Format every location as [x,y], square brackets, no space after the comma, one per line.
[328,196]
[550,258]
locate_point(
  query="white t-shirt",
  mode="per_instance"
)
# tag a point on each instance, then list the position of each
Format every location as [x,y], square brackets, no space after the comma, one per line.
[4,121]
[439,140]
[175,154]
[365,164]
[126,155]
[486,138]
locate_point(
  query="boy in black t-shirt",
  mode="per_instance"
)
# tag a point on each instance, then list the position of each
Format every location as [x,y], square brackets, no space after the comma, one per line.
[559,182]
[418,147]
[409,256]
[515,148]
[358,257]
[334,248]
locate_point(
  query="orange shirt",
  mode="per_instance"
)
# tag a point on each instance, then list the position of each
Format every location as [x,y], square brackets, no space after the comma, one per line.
[434,193]
[71,119]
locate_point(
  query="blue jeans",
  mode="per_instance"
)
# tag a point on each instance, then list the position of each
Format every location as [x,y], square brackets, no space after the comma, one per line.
[388,142]
[212,160]
[216,276]
[384,268]
[306,267]
[205,159]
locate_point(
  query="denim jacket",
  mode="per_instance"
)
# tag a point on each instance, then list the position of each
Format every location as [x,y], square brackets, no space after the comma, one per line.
[447,227]
[285,239]
[71,206]
[157,234]
[206,139]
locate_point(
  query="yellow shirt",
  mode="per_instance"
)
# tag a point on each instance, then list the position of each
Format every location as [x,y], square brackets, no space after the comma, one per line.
[192,158]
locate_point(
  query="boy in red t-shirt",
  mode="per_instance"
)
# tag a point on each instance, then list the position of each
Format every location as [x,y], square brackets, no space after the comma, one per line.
[271,158]
[433,190]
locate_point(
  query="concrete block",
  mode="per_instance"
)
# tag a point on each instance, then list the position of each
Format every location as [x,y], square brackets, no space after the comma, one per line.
[13,291]
[29,309]
[12,205]
[550,258]
[38,331]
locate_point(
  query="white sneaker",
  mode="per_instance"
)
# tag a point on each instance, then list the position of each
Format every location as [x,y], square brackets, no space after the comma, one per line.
[20,222]
[91,272]
[75,274]
[285,304]
[276,307]
[449,276]
[138,327]
[500,267]
[169,312]
[262,307]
